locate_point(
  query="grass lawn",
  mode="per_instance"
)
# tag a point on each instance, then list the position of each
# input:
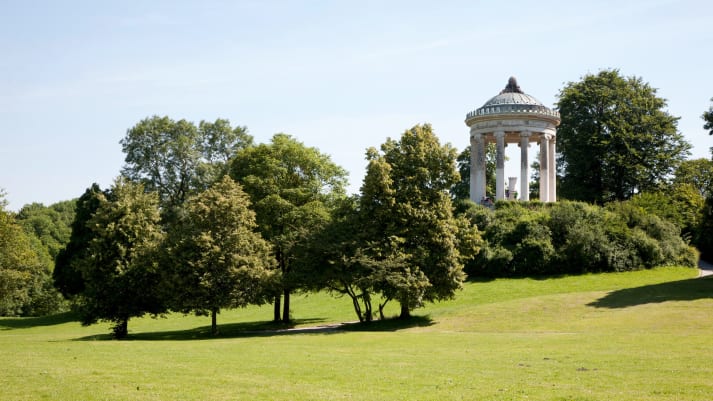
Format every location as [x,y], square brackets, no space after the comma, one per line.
[628,336]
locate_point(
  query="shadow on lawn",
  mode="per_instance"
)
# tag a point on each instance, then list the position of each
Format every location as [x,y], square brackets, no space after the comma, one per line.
[29,322]
[682,290]
[393,324]
[267,329]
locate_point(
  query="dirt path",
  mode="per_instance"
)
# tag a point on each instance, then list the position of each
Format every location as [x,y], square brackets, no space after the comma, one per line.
[706,269]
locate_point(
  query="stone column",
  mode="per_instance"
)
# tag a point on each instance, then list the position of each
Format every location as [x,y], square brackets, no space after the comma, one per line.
[500,165]
[544,170]
[477,171]
[473,188]
[482,182]
[552,194]
[524,166]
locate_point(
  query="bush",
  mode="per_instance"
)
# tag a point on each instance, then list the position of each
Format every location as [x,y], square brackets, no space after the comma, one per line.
[572,237]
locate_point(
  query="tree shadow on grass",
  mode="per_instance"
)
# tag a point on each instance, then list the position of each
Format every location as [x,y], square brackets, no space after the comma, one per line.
[268,329]
[29,322]
[230,330]
[682,290]
[393,324]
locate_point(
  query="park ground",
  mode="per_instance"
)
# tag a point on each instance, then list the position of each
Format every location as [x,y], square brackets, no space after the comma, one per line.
[620,336]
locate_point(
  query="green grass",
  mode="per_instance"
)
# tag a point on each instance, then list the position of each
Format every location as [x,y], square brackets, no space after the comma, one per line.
[629,336]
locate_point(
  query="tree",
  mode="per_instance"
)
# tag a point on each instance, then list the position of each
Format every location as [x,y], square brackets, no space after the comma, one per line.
[120,272]
[176,158]
[25,282]
[708,118]
[697,173]
[405,196]
[217,260]
[292,187]
[461,189]
[19,266]
[49,226]
[67,274]
[615,138]
[344,260]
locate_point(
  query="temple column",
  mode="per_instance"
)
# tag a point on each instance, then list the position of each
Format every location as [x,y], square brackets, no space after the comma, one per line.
[482,181]
[552,194]
[477,171]
[500,165]
[544,170]
[524,167]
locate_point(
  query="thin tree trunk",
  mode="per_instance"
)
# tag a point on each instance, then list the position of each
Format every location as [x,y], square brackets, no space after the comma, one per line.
[286,307]
[214,322]
[276,309]
[367,307]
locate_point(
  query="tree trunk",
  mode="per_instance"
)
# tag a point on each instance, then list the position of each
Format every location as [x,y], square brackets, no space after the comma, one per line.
[276,309]
[214,322]
[405,312]
[286,307]
[367,307]
[121,329]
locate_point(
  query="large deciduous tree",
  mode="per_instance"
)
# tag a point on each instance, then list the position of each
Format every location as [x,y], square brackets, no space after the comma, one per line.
[67,273]
[615,138]
[217,259]
[405,196]
[120,271]
[176,158]
[292,187]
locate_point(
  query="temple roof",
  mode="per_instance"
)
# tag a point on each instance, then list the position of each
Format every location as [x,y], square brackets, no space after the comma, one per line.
[512,100]
[512,94]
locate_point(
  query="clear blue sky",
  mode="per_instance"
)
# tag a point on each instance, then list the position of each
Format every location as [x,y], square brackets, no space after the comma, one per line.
[338,75]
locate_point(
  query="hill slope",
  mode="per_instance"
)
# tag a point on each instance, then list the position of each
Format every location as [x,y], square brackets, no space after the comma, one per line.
[629,336]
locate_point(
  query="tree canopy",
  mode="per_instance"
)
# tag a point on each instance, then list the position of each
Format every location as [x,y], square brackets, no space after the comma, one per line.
[120,271]
[176,158]
[291,187]
[615,138]
[708,118]
[410,221]
[216,259]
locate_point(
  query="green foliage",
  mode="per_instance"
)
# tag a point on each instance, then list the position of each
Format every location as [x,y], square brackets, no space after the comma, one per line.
[681,204]
[572,237]
[408,216]
[698,173]
[292,188]
[615,138]
[215,259]
[708,118]
[704,239]
[120,270]
[49,226]
[25,282]
[67,273]
[177,159]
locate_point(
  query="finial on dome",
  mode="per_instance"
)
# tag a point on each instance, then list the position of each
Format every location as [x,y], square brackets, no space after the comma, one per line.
[512,86]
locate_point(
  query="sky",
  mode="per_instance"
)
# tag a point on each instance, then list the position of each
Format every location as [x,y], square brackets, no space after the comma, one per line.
[341,76]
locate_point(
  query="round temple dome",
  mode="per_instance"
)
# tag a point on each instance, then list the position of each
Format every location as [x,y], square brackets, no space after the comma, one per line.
[512,100]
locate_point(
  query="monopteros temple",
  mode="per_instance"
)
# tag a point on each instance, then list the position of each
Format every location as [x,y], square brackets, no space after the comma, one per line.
[513,117]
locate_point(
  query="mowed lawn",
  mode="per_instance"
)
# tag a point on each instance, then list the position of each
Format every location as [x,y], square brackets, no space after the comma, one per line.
[628,336]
